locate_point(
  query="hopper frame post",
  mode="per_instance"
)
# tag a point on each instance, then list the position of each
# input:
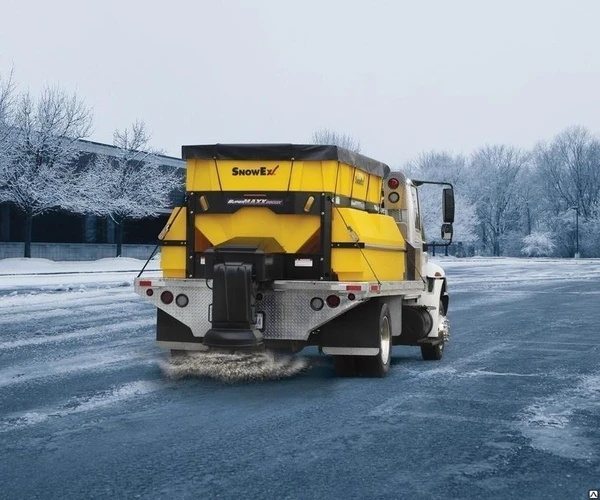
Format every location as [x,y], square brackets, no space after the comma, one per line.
[326,237]
[190,265]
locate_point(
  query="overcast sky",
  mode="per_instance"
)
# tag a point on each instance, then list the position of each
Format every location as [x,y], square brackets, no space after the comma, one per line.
[400,76]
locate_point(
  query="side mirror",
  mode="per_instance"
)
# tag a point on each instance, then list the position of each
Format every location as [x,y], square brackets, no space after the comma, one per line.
[447,232]
[448,206]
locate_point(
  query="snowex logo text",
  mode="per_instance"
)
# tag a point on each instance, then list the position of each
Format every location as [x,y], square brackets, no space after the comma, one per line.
[237,171]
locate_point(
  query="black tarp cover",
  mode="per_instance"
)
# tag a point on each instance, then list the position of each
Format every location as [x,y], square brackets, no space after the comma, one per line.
[284,152]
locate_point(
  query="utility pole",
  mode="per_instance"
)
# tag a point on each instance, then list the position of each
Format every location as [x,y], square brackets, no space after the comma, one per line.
[576,256]
[577,232]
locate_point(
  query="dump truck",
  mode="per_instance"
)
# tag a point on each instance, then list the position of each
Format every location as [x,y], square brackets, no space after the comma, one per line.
[284,246]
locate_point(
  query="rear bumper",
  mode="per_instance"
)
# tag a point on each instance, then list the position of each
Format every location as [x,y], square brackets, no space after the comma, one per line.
[283,312]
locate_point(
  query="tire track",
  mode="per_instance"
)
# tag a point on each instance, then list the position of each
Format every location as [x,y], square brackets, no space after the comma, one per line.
[77,334]
[44,305]
[99,400]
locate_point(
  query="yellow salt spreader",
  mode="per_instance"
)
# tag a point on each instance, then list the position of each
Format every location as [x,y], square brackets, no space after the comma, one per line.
[283,246]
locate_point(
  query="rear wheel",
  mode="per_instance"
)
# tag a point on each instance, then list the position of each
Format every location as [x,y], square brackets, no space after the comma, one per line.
[379,365]
[435,352]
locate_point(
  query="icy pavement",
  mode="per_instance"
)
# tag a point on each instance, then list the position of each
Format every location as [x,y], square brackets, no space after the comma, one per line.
[512,411]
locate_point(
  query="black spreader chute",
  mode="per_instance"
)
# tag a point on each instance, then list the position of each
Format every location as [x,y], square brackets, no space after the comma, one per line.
[232,315]
[236,273]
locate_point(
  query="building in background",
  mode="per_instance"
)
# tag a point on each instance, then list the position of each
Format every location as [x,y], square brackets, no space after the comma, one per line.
[64,227]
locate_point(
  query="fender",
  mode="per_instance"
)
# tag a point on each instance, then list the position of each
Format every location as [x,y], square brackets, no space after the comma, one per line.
[436,292]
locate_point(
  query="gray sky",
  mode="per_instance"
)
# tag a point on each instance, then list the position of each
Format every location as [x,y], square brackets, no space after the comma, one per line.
[400,76]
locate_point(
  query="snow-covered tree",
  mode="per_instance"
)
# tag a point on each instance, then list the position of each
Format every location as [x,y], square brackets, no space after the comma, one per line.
[39,164]
[589,234]
[132,184]
[496,173]
[7,93]
[538,244]
[530,198]
[567,231]
[569,169]
[327,136]
[442,166]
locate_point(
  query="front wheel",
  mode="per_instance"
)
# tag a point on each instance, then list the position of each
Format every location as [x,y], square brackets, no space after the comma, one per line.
[435,352]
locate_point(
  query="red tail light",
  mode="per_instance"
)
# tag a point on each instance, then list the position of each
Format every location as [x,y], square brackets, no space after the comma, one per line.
[393,183]
[166,297]
[333,301]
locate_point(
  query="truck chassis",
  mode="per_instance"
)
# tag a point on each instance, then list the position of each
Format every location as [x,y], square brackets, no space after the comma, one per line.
[343,319]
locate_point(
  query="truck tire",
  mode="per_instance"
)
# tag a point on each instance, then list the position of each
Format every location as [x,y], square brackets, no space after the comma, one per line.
[379,365]
[345,366]
[435,352]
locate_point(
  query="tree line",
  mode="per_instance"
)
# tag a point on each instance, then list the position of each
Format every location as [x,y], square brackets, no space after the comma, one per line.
[43,169]
[509,201]
[515,202]
[539,202]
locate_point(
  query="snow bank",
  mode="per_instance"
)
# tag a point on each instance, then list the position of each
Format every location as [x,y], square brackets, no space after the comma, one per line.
[17,275]
[45,266]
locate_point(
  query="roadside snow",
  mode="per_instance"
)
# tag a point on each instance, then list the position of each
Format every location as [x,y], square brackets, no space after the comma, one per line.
[43,266]
[58,276]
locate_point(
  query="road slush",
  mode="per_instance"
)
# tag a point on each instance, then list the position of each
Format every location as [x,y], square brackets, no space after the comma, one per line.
[231,368]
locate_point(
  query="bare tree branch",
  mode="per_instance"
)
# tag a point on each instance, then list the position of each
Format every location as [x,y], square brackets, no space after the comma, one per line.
[326,136]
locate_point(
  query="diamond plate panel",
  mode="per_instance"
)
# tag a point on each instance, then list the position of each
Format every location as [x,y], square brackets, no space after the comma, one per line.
[194,315]
[288,315]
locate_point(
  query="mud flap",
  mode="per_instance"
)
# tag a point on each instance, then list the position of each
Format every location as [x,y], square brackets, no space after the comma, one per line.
[348,330]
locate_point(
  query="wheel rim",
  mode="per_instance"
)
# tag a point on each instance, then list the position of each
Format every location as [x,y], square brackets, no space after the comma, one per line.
[443,326]
[386,340]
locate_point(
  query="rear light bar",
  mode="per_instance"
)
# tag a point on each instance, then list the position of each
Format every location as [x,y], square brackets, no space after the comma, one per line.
[357,287]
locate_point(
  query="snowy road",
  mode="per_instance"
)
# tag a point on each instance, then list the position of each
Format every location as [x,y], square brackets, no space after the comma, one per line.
[512,411]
